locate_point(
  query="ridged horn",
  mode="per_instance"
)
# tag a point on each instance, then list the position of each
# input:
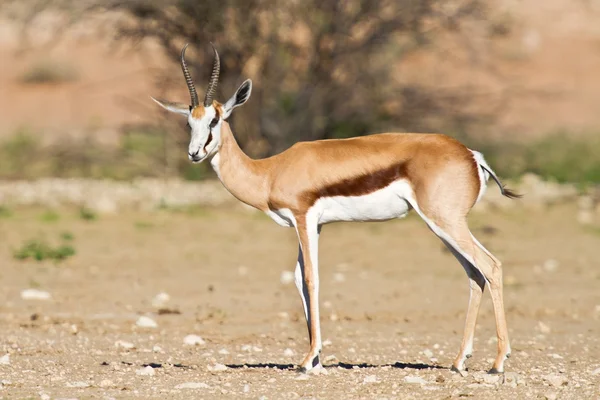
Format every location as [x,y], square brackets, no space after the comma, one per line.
[214,79]
[188,78]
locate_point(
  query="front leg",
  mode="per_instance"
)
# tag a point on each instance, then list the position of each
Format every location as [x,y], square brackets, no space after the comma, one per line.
[307,281]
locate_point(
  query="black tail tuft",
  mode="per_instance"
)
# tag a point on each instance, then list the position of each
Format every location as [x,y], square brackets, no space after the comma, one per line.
[505,191]
[510,193]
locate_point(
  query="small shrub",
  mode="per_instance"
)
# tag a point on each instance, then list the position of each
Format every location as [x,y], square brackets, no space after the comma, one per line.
[40,250]
[47,71]
[67,236]
[5,212]
[49,216]
[87,214]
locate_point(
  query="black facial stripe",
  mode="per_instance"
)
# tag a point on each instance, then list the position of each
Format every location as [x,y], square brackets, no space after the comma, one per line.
[209,139]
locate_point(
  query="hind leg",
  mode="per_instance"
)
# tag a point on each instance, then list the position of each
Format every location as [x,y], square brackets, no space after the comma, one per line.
[476,286]
[482,267]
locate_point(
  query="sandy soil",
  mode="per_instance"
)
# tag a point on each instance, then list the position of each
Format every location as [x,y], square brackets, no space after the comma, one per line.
[393,303]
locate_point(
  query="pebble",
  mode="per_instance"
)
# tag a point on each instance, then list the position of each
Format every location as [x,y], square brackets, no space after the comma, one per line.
[146,371]
[106,383]
[288,352]
[160,300]
[125,345]
[78,384]
[193,340]
[223,351]
[35,294]
[246,388]
[339,277]
[543,327]
[44,396]
[551,396]
[157,349]
[146,322]
[287,277]
[5,359]
[427,353]
[370,379]
[192,385]
[596,371]
[550,265]
[414,379]
[217,367]
[556,380]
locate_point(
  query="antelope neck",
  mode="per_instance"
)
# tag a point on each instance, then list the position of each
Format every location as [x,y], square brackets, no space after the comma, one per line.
[242,176]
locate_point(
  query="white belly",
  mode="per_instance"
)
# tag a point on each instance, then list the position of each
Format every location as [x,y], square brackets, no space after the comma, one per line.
[384,204]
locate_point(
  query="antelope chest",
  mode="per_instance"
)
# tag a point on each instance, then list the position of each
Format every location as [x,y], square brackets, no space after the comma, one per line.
[383,204]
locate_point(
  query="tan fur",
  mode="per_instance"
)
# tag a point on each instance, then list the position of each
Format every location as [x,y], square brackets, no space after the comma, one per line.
[198,112]
[294,178]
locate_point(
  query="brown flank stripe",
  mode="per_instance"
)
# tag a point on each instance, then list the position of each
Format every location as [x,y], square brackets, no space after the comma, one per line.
[360,185]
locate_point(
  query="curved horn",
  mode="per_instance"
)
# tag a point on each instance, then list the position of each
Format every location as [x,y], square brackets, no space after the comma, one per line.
[214,79]
[188,78]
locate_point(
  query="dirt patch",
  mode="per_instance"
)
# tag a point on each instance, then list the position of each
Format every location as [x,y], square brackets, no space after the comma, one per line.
[393,304]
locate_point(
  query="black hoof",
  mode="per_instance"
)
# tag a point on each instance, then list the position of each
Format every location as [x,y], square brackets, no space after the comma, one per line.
[301,370]
[469,356]
[454,369]
[494,371]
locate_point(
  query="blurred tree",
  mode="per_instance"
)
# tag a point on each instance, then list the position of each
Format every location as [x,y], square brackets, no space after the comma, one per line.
[321,68]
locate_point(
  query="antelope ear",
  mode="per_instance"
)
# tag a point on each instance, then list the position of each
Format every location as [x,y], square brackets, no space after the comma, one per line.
[240,97]
[178,108]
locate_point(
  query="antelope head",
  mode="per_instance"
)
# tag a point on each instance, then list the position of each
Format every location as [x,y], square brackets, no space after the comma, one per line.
[205,120]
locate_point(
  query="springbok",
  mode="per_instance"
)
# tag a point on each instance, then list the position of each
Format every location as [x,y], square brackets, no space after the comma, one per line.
[372,178]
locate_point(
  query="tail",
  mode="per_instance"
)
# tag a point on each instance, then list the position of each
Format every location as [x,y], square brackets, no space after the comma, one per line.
[503,189]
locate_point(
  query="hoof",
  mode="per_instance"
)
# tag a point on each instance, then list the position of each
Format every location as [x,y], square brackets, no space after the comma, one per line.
[301,370]
[494,371]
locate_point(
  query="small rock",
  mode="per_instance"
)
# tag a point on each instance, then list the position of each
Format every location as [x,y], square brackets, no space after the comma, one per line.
[157,349]
[543,327]
[44,396]
[339,277]
[551,396]
[223,351]
[555,356]
[556,380]
[74,329]
[193,340]
[287,277]
[302,377]
[330,358]
[78,384]
[513,379]
[146,322]
[106,383]
[192,385]
[326,343]
[246,388]
[415,379]
[370,379]
[427,353]
[146,371]
[491,379]
[550,265]
[35,294]
[124,345]
[5,359]
[288,352]
[217,368]
[596,371]
[160,300]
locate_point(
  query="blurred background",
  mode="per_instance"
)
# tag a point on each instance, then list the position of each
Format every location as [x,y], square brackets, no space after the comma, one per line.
[516,79]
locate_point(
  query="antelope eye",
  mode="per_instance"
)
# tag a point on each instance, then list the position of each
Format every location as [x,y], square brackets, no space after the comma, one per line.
[214,122]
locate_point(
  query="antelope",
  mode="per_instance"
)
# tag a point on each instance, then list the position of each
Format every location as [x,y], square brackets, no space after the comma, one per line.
[377,177]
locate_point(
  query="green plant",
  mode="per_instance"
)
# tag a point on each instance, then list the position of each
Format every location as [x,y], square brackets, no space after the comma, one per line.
[5,212]
[47,71]
[40,250]
[87,214]
[49,216]
[67,236]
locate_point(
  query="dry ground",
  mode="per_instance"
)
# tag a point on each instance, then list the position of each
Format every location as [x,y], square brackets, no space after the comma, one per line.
[393,304]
